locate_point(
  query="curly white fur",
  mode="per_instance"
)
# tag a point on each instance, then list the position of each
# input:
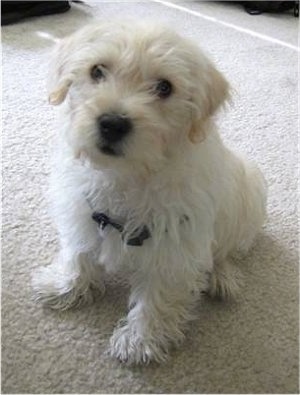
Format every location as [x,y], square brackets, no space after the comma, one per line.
[199,200]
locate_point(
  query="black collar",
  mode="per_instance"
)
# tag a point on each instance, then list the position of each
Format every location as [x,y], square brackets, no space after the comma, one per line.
[138,236]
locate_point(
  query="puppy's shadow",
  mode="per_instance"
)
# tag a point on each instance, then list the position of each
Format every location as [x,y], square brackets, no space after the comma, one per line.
[216,321]
[256,267]
[42,32]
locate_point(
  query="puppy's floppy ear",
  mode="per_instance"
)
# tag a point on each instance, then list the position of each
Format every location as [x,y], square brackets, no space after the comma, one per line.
[60,76]
[211,92]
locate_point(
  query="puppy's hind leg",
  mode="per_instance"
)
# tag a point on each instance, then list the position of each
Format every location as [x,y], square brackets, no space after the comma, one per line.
[67,281]
[226,277]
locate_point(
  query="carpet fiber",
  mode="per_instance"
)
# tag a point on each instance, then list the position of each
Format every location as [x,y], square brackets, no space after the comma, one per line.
[250,346]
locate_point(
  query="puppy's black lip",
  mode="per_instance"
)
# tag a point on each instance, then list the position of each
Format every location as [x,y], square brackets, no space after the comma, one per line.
[107,150]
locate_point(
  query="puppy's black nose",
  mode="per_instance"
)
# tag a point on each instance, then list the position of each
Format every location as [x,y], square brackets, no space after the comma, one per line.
[113,127]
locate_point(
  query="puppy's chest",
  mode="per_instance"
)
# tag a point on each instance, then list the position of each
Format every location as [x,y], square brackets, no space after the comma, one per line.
[130,205]
[134,207]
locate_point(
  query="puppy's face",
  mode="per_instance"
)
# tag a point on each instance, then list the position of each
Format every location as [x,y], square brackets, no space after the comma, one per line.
[135,95]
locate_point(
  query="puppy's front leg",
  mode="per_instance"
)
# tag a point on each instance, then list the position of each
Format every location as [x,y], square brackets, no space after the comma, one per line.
[161,303]
[68,280]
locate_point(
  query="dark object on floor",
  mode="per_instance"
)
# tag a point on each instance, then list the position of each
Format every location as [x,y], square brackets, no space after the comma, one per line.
[296,9]
[258,7]
[14,11]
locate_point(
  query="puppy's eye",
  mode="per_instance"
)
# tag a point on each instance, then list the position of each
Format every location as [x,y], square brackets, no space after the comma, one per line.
[97,73]
[163,89]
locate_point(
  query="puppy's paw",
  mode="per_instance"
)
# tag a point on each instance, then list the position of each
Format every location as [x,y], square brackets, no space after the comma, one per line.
[130,347]
[225,281]
[60,290]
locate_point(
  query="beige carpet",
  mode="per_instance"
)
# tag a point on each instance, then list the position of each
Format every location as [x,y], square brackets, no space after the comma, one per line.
[247,347]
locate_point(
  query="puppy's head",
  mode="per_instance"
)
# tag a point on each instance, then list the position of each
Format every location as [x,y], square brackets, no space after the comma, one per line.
[135,94]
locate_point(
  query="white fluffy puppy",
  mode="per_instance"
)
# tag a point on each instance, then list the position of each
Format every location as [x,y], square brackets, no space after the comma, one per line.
[143,181]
